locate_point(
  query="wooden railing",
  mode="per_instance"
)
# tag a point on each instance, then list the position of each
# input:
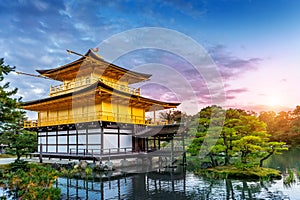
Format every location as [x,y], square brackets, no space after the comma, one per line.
[96,152]
[95,116]
[72,86]
[122,88]
[85,117]
[30,123]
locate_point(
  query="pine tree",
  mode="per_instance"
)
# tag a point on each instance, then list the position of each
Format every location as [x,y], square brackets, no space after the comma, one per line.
[10,113]
[17,140]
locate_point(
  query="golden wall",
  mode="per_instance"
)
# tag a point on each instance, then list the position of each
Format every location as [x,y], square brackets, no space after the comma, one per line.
[104,111]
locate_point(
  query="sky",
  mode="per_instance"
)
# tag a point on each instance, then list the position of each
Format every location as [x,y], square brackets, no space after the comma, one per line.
[251,47]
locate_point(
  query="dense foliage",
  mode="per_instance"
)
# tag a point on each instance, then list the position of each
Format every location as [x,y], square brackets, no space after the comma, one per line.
[17,140]
[26,181]
[10,113]
[174,116]
[240,139]
[34,182]
[283,126]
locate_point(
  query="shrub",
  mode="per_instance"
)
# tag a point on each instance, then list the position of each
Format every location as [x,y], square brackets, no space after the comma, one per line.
[34,183]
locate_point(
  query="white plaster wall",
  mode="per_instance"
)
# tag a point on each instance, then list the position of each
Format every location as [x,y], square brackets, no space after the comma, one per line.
[126,141]
[52,140]
[72,139]
[110,141]
[96,130]
[62,149]
[52,133]
[62,139]
[51,149]
[94,139]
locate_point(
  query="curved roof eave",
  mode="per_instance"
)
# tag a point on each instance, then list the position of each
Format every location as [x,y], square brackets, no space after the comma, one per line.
[95,85]
[90,53]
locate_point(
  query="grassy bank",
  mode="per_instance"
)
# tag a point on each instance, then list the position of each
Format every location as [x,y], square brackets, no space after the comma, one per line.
[238,173]
[7,156]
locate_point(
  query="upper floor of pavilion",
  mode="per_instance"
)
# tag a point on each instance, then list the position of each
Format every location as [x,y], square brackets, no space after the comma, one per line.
[89,69]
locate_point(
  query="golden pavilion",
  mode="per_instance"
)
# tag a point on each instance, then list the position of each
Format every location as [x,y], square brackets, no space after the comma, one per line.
[95,109]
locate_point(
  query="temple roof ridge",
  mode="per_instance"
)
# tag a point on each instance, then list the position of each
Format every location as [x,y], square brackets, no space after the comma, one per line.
[56,73]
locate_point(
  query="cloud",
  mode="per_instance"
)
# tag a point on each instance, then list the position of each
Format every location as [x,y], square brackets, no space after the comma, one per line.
[283,80]
[236,91]
[39,31]
[194,9]
[232,67]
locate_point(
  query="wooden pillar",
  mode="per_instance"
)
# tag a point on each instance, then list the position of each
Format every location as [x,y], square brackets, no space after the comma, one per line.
[119,138]
[158,142]
[102,139]
[172,151]
[87,137]
[77,140]
[41,150]
[134,143]
[183,142]
[38,140]
[68,140]
[46,140]
[56,139]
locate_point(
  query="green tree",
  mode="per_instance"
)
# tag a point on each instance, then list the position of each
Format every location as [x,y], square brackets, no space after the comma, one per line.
[17,140]
[251,135]
[34,182]
[206,127]
[21,143]
[10,113]
[241,135]
[174,116]
[269,118]
[229,132]
[271,148]
[284,126]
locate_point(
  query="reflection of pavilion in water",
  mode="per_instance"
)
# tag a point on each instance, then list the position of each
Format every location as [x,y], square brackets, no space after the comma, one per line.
[172,183]
[135,186]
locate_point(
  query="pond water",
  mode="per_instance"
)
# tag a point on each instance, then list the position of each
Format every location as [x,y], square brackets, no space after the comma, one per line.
[180,184]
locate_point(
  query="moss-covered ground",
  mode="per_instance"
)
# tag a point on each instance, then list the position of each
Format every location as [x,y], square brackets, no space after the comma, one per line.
[240,173]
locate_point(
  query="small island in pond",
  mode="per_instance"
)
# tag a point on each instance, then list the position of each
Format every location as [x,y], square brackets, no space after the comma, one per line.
[232,143]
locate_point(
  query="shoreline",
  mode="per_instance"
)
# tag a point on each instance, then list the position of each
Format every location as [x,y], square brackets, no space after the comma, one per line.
[4,161]
[233,172]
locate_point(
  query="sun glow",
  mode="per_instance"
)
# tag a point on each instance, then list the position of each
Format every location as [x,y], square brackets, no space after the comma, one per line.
[274,101]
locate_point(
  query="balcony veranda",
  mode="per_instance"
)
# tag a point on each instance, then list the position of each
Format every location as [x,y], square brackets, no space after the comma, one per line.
[76,85]
[85,117]
[90,117]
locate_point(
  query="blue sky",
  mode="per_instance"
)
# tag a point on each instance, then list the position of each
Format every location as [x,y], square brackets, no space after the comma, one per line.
[254,43]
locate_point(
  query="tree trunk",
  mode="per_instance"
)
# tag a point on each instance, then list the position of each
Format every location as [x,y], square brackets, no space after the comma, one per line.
[243,157]
[18,157]
[265,158]
[213,161]
[227,158]
[226,151]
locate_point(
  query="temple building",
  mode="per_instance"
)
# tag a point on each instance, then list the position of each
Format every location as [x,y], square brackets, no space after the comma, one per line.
[95,109]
